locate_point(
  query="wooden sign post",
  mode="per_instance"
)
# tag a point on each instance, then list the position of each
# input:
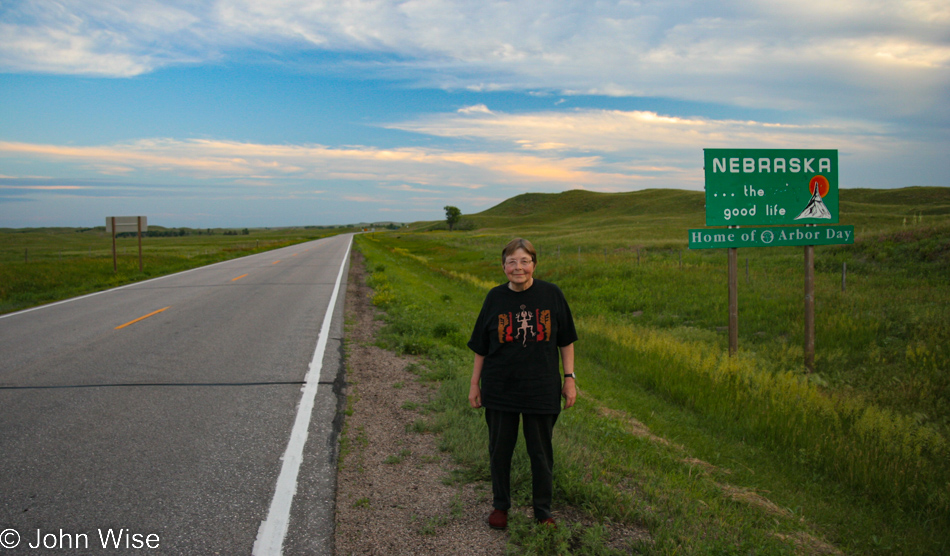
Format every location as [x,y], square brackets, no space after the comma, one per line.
[733,301]
[121,224]
[139,222]
[115,262]
[810,308]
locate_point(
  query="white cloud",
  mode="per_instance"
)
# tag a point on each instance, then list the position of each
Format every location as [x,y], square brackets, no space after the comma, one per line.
[55,50]
[870,78]
[44,187]
[616,131]
[476,109]
[828,57]
[237,163]
[113,39]
[614,150]
[407,188]
[606,150]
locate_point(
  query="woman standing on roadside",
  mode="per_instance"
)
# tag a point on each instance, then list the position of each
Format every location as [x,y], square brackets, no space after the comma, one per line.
[523,329]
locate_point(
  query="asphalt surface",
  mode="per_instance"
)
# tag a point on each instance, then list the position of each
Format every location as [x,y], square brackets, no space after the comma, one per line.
[173,427]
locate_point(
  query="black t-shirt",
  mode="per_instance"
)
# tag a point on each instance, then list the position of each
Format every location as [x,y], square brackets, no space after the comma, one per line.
[519,334]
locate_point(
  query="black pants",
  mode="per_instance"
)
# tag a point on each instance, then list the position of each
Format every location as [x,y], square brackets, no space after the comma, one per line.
[502,436]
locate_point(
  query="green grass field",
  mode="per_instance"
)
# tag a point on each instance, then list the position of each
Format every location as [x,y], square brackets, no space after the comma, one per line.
[710,454]
[743,455]
[49,264]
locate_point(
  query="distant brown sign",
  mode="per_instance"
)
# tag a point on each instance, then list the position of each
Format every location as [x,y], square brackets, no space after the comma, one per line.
[126,224]
[122,224]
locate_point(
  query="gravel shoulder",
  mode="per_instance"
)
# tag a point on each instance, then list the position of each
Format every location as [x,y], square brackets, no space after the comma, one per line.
[391,498]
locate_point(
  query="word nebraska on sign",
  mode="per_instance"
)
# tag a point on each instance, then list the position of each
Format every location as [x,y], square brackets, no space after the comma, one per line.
[770,236]
[760,187]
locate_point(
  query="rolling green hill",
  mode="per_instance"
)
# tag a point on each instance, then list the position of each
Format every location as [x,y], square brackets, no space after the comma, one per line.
[660,217]
[670,202]
[891,205]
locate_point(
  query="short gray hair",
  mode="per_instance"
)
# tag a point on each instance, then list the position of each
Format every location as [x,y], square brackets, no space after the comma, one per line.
[519,243]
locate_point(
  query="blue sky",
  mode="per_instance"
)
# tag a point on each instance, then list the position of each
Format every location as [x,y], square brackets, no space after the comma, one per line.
[295,112]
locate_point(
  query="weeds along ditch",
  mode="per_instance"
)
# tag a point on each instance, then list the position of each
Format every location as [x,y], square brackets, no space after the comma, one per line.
[859,447]
[44,265]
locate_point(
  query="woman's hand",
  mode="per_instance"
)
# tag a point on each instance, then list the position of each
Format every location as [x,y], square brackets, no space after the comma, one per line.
[569,392]
[475,396]
[474,392]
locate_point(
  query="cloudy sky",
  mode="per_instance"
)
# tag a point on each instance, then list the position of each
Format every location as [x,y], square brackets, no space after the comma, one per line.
[296,112]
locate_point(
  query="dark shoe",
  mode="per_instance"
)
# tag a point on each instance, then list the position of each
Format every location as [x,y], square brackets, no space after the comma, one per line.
[498,519]
[548,521]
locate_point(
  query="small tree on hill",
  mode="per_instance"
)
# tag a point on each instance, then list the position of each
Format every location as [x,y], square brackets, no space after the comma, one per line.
[452,216]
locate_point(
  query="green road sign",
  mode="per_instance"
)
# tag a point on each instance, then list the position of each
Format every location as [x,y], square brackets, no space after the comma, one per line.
[755,187]
[781,236]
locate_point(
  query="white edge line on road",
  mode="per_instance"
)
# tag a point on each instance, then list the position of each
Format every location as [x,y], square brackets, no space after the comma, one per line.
[133,284]
[270,535]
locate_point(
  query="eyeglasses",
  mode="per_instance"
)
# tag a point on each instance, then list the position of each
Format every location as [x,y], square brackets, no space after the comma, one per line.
[512,263]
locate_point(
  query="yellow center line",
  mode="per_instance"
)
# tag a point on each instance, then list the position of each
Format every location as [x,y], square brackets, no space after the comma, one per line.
[238,278]
[141,318]
[275,262]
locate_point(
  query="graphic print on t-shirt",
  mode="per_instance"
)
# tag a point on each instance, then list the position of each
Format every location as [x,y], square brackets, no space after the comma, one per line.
[524,326]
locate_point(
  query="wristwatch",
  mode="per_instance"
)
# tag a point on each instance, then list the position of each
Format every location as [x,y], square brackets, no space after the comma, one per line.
[569,375]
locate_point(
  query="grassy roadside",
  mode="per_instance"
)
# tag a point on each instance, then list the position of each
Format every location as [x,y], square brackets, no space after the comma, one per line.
[630,453]
[40,266]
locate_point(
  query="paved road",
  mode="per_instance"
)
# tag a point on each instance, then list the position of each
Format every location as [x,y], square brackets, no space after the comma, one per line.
[174,426]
